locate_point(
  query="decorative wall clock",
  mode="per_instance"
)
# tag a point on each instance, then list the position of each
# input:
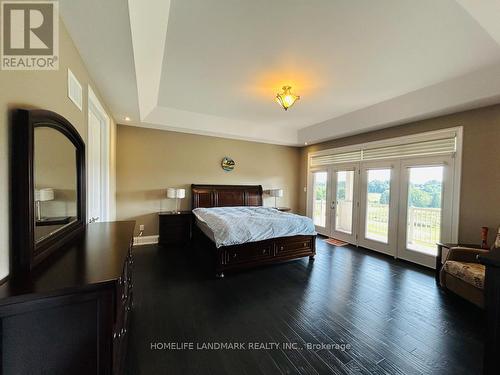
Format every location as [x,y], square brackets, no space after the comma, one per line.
[227,164]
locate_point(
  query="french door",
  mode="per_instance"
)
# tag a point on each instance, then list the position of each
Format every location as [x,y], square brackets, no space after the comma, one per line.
[379,206]
[321,196]
[425,208]
[399,207]
[344,204]
[335,201]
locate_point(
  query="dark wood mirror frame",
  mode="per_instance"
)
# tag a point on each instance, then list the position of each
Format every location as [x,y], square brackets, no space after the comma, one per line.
[26,254]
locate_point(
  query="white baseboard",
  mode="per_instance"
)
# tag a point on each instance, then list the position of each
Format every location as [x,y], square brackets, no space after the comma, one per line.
[145,240]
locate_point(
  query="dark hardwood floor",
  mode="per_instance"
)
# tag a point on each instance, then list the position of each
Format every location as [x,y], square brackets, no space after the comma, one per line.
[386,317]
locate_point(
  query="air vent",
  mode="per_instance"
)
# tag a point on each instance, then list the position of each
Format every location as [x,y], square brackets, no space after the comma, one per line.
[75,90]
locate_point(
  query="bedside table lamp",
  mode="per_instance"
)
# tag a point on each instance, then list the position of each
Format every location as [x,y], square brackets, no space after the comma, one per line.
[177,194]
[276,193]
[42,195]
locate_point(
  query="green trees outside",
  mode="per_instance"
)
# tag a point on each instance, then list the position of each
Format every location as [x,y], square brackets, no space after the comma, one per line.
[320,192]
[426,195]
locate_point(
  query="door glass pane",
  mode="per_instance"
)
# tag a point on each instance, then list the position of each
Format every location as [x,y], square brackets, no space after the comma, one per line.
[425,187]
[344,201]
[319,198]
[377,206]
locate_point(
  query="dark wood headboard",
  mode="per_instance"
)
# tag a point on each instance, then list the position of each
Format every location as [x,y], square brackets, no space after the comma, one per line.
[226,195]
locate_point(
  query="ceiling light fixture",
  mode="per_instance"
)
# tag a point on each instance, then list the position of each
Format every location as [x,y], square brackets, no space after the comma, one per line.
[286,99]
[127,118]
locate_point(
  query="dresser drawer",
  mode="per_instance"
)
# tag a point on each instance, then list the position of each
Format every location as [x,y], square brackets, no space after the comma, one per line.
[297,246]
[120,335]
[124,287]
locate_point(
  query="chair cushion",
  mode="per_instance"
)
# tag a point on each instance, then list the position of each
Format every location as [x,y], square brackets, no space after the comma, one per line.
[496,244]
[471,273]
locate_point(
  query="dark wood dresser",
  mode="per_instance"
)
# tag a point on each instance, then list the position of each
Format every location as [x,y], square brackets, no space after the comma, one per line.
[175,228]
[71,315]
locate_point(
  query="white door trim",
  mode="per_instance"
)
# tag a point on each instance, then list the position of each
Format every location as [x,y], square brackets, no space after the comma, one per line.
[95,106]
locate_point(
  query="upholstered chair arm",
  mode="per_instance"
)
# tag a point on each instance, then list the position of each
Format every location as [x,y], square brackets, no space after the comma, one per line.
[465,254]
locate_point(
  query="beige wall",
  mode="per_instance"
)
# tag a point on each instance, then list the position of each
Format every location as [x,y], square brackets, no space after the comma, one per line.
[149,161]
[46,90]
[480,192]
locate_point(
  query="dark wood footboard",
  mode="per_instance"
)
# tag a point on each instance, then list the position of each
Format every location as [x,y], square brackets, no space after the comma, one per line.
[258,253]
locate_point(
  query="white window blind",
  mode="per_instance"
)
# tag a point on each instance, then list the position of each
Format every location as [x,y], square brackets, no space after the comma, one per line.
[344,157]
[444,145]
[433,147]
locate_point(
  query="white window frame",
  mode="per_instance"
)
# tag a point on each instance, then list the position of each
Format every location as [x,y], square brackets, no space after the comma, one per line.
[431,135]
[95,106]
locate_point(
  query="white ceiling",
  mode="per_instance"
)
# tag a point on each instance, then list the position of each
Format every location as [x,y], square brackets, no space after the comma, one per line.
[214,66]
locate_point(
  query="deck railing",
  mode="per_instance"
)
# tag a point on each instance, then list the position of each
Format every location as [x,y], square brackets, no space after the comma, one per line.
[423,224]
[424,227]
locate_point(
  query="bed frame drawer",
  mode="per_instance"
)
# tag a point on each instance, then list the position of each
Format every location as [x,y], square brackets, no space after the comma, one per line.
[256,253]
[259,250]
[297,246]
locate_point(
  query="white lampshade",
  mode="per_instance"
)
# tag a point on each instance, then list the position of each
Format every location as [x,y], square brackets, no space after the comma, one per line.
[43,195]
[171,193]
[277,193]
[180,193]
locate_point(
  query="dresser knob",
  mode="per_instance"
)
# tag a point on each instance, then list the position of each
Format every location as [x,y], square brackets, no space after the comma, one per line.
[234,255]
[305,244]
[281,247]
[264,251]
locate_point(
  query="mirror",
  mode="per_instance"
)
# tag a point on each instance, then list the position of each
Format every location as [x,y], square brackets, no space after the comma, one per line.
[48,186]
[55,174]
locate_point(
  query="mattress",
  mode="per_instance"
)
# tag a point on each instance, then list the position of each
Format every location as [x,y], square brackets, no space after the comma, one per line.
[204,228]
[228,226]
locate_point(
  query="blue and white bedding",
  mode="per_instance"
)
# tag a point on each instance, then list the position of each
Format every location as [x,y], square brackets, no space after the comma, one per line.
[237,225]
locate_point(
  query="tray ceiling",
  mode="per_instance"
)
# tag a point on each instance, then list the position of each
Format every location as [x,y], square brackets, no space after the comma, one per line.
[213,66]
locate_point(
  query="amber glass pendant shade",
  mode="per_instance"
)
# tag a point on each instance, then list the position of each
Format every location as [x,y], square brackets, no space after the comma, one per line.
[286,99]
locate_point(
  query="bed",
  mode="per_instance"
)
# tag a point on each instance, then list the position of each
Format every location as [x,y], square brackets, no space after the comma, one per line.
[248,254]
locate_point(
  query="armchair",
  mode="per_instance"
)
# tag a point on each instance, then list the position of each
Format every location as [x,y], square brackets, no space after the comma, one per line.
[464,275]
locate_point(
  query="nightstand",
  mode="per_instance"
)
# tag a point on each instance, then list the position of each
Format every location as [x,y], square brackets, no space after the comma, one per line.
[175,228]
